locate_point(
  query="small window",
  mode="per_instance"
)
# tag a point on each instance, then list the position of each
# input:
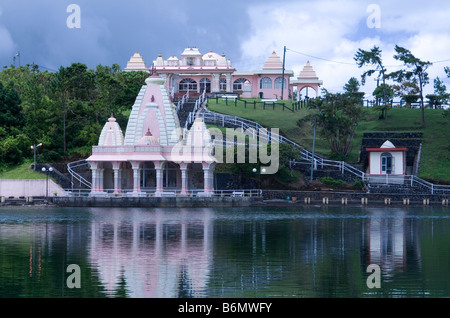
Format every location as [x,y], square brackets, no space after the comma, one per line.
[279,82]
[223,84]
[190,61]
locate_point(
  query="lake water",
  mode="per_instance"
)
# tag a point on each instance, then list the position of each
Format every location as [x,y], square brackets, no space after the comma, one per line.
[225,252]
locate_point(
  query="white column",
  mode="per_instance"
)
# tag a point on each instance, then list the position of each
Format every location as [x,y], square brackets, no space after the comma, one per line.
[229,84]
[100,179]
[94,180]
[136,166]
[136,180]
[117,180]
[208,170]
[159,178]
[215,83]
[184,179]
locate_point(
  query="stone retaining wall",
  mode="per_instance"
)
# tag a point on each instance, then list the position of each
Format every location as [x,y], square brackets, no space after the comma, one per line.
[355,197]
[157,202]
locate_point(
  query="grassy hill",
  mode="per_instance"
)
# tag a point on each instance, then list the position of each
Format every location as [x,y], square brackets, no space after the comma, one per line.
[21,171]
[435,159]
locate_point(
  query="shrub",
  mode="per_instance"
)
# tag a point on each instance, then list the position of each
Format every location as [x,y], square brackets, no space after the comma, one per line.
[359,184]
[332,182]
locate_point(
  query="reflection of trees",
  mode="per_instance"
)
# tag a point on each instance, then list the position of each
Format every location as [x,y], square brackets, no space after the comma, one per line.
[317,255]
[34,258]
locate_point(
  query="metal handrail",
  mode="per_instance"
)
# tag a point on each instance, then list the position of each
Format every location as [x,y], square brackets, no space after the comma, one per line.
[75,175]
[169,192]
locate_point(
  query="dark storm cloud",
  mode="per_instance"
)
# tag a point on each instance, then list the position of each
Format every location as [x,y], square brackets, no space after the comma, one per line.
[111,31]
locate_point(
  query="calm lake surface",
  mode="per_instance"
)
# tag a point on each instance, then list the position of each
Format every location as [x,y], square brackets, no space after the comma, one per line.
[225,252]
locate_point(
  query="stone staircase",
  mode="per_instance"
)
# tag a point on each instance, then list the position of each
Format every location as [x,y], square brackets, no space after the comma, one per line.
[183,113]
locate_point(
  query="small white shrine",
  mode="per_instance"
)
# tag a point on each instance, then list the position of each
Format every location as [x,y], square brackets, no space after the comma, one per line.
[387,160]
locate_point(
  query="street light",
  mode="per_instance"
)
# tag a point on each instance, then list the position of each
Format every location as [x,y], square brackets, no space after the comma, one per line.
[313,150]
[34,148]
[47,171]
[263,170]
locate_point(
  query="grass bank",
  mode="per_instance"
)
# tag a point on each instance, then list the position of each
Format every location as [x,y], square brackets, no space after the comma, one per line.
[21,171]
[435,159]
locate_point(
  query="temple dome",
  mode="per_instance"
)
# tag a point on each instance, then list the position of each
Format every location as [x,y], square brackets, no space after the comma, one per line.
[191,51]
[154,79]
[148,139]
[387,144]
[273,62]
[308,72]
[136,63]
[111,134]
[212,56]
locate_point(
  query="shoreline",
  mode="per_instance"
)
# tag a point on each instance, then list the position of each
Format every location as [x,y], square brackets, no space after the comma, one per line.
[271,198]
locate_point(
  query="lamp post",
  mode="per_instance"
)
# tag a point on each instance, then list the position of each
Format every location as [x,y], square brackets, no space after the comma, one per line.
[282,82]
[313,149]
[263,170]
[47,171]
[34,148]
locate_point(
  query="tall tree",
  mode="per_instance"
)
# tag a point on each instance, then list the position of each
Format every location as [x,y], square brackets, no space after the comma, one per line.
[337,118]
[416,71]
[11,116]
[440,95]
[352,86]
[372,57]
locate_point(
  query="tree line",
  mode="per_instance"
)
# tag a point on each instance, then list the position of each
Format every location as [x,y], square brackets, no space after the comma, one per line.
[63,110]
[338,114]
[410,80]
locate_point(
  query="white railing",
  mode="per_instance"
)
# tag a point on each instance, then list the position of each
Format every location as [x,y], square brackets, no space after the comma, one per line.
[168,192]
[198,104]
[183,101]
[409,180]
[75,175]
[217,118]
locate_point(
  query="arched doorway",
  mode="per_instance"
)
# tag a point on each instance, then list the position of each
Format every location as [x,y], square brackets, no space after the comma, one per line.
[306,92]
[205,85]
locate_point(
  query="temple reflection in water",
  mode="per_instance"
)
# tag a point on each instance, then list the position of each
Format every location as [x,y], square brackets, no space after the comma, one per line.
[260,252]
[154,256]
[170,252]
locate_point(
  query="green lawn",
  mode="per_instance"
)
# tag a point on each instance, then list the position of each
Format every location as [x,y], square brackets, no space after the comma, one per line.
[22,171]
[435,161]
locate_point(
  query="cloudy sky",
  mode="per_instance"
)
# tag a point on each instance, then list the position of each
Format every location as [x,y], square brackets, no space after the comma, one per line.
[327,33]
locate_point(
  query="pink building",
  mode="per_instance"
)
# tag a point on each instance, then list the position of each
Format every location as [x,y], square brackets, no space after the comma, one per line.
[213,73]
[154,157]
[307,79]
